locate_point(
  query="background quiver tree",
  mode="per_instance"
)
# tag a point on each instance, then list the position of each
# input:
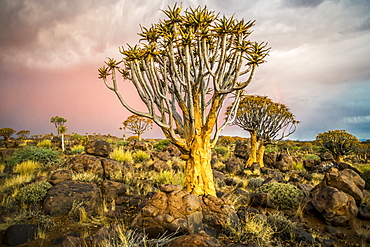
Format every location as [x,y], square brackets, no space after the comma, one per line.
[183,71]
[6,133]
[265,120]
[338,142]
[137,125]
[23,134]
[58,121]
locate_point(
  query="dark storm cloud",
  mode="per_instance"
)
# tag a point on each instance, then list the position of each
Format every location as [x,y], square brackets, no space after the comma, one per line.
[302,3]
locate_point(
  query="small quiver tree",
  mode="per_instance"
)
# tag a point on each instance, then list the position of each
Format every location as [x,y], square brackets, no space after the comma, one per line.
[6,133]
[183,72]
[58,121]
[138,125]
[23,134]
[265,120]
[338,142]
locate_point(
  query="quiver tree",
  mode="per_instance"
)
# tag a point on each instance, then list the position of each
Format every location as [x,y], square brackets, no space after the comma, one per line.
[62,130]
[23,134]
[183,71]
[338,142]
[6,133]
[265,120]
[58,121]
[137,125]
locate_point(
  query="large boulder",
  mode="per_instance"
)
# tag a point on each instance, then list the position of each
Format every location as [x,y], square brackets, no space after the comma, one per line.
[335,206]
[234,165]
[269,159]
[173,209]
[60,176]
[347,181]
[194,240]
[111,167]
[19,234]
[98,148]
[284,162]
[61,197]
[241,150]
[86,163]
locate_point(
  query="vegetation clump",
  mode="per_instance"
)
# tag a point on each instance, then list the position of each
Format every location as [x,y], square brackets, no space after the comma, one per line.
[121,156]
[284,196]
[161,144]
[140,156]
[33,193]
[38,154]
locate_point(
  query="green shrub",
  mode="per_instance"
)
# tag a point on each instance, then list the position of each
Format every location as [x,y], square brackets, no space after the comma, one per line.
[140,156]
[169,177]
[161,144]
[44,144]
[311,157]
[38,154]
[121,156]
[221,150]
[33,193]
[271,148]
[122,143]
[283,196]
[366,176]
[77,149]
[254,183]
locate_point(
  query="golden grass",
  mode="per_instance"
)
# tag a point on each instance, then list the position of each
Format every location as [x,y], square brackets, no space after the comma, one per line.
[121,156]
[2,168]
[86,177]
[27,167]
[15,182]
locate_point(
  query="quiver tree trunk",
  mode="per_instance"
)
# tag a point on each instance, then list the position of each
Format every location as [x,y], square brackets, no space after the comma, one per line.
[253,153]
[260,153]
[198,173]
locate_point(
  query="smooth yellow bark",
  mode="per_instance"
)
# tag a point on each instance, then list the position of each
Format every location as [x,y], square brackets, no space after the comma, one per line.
[260,154]
[253,153]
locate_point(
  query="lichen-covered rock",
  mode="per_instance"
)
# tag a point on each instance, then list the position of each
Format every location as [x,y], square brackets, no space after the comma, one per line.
[98,148]
[335,206]
[284,162]
[194,240]
[269,159]
[86,163]
[60,198]
[347,181]
[111,167]
[60,176]
[160,165]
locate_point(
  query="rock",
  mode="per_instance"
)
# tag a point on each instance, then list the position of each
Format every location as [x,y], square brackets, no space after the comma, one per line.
[260,200]
[234,165]
[160,165]
[305,188]
[255,168]
[303,236]
[309,164]
[60,198]
[138,145]
[60,176]
[111,167]
[172,150]
[347,181]
[86,163]
[194,240]
[326,157]
[335,206]
[113,190]
[363,212]
[284,162]
[230,182]
[241,150]
[168,188]
[19,234]
[334,232]
[269,159]
[98,148]
[163,156]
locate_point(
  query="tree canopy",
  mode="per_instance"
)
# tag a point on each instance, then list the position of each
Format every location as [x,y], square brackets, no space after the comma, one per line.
[137,125]
[265,120]
[58,121]
[183,70]
[338,142]
[6,133]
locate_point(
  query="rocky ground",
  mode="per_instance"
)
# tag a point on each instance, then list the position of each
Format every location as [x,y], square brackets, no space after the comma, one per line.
[91,199]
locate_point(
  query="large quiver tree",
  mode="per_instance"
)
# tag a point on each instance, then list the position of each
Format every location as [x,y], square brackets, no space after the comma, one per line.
[183,72]
[265,120]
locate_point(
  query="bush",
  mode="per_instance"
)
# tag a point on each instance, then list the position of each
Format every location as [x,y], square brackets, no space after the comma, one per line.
[283,196]
[271,148]
[221,150]
[366,176]
[161,144]
[27,167]
[44,144]
[254,183]
[33,193]
[282,227]
[77,149]
[169,177]
[254,230]
[140,156]
[38,154]
[311,157]
[122,143]
[121,156]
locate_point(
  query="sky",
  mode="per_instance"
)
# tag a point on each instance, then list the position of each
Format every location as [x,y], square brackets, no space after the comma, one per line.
[319,64]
